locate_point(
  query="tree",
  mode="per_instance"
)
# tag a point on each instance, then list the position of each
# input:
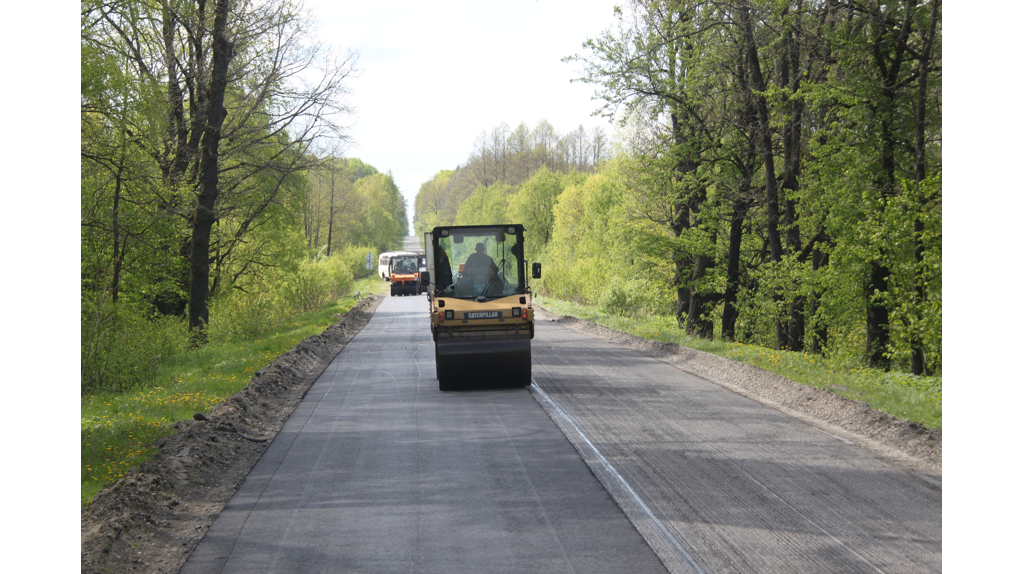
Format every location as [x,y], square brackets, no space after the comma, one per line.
[228,122]
[429,202]
[878,210]
[780,144]
[204,216]
[651,65]
[382,217]
[532,206]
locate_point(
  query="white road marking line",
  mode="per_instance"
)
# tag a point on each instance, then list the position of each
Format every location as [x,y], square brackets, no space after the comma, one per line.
[625,488]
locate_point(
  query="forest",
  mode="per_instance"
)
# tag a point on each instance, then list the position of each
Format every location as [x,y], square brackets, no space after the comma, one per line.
[215,200]
[775,178]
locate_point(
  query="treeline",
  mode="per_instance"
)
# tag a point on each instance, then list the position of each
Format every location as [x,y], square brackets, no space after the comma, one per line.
[778,182]
[206,205]
[350,203]
[501,161]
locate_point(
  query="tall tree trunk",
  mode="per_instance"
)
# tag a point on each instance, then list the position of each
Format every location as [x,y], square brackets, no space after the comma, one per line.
[732,274]
[877,336]
[889,69]
[177,130]
[819,341]
[200,105]
[742,202]
[764,130]
[697,325]
[330,218]
[918,366]
[204,216]
[118,254]
[791,152]
[681,222]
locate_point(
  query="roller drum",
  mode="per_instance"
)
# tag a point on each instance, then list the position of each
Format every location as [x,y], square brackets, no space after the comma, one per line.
[483,363]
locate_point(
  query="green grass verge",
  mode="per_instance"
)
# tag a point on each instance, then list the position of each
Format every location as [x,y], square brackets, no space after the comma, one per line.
[899,394]
[119,429]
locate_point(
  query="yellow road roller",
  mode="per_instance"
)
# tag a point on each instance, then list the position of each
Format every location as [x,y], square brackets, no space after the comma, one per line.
[481,310]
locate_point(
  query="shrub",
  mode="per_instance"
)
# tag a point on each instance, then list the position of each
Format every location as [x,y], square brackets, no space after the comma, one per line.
[244,315]
[632,297]
[354,258]
[316,283]
[122,346]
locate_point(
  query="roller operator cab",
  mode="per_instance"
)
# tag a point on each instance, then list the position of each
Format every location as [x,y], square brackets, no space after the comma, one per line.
[481,310]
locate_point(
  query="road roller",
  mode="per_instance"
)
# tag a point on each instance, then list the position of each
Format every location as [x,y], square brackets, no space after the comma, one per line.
[481,310]
[404,274]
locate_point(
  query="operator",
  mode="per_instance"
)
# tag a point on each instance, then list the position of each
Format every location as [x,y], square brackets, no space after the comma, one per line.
[480,260]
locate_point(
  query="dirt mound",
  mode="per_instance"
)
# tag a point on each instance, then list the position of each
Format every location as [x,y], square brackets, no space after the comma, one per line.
[152,519]
[906,444]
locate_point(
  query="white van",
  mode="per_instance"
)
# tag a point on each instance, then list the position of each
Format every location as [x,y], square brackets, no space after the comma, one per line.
[382,264]
[385,259]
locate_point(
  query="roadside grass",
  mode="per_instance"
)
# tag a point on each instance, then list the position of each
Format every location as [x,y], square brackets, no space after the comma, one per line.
[902,395]
[119,429]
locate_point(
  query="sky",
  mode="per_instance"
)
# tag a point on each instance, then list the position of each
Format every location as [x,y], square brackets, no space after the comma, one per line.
[433,75]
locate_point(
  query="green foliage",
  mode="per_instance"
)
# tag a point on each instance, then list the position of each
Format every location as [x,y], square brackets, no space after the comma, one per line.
[382,221]
[599,254]
[315,283]
[532,206]
[486,206]
[122,346]
[502,161]
[142,118]
[632,298]
[439,199]
[778,180]
[354,260]
[239,315]
[855,201]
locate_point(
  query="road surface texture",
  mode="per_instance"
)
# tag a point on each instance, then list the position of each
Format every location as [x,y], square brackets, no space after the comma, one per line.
[378,471]
[718,482]
[413,244]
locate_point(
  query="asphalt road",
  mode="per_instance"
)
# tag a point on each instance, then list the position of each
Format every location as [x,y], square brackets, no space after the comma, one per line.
[717,482]
[378,471]
[412,243]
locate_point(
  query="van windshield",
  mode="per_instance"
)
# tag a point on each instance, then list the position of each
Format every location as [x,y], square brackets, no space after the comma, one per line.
[480,261]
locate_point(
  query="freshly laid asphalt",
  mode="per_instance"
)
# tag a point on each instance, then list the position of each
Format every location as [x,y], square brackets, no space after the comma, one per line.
[611,462]
[379,471]
[718,482]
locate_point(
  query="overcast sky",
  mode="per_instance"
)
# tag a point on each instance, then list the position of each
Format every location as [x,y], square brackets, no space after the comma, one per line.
[433,75]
